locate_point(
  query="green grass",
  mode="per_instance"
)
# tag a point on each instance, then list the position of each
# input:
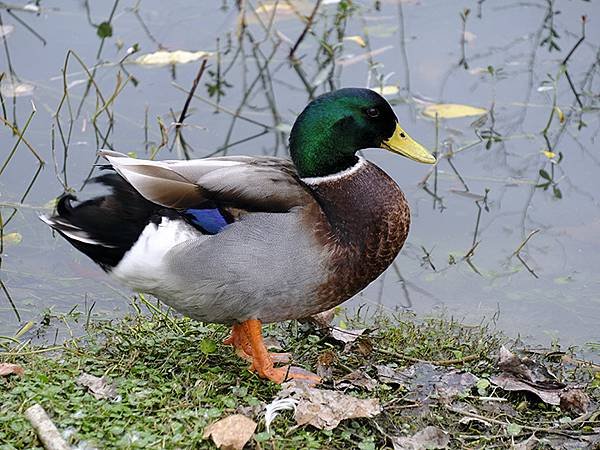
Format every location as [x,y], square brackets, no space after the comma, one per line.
[174,378]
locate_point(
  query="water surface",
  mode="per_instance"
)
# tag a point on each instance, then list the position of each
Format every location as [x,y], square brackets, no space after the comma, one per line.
[470,214]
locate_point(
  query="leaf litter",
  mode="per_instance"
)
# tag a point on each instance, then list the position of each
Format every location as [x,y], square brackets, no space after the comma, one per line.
[525,374]
[232,432]
[325,409]
[100,387]
[428,438]
[11,369]
[401,392]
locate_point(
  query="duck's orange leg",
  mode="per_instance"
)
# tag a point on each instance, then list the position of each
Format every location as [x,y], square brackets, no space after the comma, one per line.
[240,342]
[243,349]
[262,361]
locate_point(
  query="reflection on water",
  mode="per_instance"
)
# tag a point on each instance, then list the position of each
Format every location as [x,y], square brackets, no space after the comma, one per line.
[507,225]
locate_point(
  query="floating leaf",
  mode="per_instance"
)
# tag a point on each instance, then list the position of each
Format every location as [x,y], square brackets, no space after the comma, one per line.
[5,30]
[547,87]
[104,30]
[17,89]
[269,7]
[163,57]
[561,115]
[467,194]
[452,111]
[557,192]
[386,90]
[347,60]
[356,39]
[232,432]
[381,30]
[12,238]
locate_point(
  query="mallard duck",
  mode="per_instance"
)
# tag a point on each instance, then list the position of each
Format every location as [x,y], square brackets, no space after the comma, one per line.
[248,240]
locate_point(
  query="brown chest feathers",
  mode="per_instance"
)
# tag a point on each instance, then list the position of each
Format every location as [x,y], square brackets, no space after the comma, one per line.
[365,223]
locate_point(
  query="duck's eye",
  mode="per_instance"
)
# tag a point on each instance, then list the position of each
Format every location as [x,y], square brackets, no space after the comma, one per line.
[372,112]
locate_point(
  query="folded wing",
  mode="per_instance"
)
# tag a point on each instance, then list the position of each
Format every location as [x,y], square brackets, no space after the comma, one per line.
[250,183]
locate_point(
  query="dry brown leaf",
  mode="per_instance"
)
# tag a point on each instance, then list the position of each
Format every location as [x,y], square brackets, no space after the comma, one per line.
[164,57]
[346,336]
[455,383]
[452,111]
[99,387]
[389,375]
[427,438]
[322,319]
[325,409]
[527,369]
[509,382]
[232,432]
[574,400]
[325,363]
[358,378]
[10,369]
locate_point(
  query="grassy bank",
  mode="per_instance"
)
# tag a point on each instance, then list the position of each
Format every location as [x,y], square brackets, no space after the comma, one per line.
[173,378]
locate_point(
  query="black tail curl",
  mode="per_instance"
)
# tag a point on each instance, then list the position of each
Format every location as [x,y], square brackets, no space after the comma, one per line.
[106,227]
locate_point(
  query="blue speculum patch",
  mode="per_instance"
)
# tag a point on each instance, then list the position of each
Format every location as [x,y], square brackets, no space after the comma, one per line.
[210,221]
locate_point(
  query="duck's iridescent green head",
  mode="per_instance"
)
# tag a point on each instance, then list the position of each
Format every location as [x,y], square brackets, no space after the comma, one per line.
[334,126]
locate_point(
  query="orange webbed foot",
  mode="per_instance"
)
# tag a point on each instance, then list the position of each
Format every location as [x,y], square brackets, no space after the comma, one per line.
[248,342]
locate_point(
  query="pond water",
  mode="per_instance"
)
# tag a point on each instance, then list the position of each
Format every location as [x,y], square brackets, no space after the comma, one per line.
[500,178]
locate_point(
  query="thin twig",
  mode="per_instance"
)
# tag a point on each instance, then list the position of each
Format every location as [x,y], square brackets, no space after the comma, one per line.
[517,252]
[186,105]
[309,22]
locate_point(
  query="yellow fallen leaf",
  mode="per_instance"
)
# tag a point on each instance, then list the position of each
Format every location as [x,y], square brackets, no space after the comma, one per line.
[561,115]
[548,154]
[163,57]
[12,238]
[452,111]
[386,90]
[269,7]
[357,39]
[231,433]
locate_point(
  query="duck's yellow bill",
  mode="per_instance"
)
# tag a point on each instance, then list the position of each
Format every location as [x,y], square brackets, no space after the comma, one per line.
[402,144]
